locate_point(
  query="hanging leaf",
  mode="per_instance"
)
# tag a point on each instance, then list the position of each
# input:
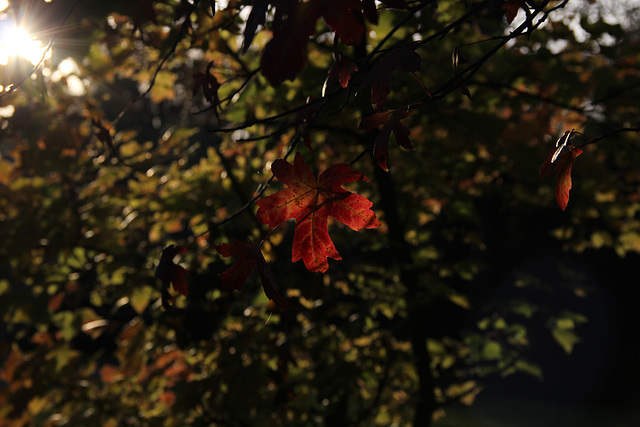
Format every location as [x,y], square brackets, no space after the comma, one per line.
[209,85]
[562,163]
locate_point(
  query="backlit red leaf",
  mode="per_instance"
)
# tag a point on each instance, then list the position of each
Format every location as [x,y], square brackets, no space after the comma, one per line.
[562,165]
[311,201]
[341,71]
[249,256]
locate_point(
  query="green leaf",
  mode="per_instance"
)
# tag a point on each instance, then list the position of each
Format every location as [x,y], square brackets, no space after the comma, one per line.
[566,338]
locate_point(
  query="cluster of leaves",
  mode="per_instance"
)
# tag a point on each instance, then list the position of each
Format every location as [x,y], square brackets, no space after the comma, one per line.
[189,115]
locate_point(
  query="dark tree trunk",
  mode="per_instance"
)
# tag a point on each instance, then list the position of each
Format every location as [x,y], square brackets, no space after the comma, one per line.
[425,403]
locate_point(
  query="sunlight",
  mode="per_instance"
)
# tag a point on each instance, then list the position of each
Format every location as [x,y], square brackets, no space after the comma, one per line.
[15,41]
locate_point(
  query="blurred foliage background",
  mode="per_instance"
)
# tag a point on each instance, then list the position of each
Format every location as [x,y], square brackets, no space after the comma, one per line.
[476,282]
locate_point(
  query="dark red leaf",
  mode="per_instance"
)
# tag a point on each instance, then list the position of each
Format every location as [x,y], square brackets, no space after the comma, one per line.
[249,256]
[340,16]
[104,136]
[404,58]
[209,85]
[171,273]
[391,123]
[285,54]
[375,120]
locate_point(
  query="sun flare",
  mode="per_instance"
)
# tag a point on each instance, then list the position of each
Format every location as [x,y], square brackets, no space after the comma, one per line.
[16,41]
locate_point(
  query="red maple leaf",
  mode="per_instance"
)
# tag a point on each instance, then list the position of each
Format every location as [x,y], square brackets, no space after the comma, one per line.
[249,256]
[171,273]
[561,162]
[310,201]
[390,121]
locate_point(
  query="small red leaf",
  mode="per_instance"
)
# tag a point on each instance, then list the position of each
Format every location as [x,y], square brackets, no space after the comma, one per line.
[104,136]
[310,201]
[171,273]
[249,256]
[342,71]
[209,85]
[563,165]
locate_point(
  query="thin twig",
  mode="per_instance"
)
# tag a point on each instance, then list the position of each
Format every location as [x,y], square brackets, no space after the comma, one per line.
[607,135]
[183,30]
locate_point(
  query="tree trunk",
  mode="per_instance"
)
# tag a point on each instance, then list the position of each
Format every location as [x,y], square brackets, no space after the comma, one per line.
[425,403]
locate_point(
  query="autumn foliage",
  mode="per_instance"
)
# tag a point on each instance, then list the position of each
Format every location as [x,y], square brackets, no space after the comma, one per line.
[162,174]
